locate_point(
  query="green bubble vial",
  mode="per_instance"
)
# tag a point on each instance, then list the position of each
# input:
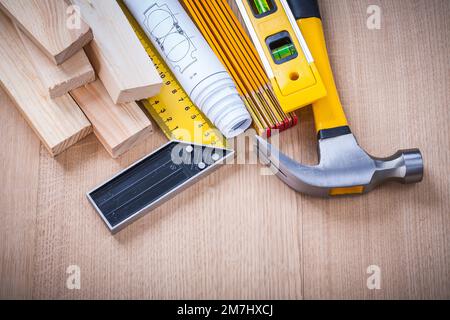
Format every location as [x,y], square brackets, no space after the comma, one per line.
[284,52]
[262,6]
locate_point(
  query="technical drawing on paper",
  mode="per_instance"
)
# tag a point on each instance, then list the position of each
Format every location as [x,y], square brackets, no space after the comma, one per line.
[176,45]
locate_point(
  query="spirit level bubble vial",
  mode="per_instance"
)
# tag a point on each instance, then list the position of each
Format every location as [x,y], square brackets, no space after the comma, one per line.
[283,51]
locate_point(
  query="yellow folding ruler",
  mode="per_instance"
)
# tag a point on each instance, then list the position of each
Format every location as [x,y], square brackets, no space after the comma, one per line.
[172,109]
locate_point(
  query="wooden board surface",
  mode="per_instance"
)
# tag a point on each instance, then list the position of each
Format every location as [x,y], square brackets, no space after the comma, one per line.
[58,122]
[59,80]
[119,127]
[237,234]
[46,23]
[116,53]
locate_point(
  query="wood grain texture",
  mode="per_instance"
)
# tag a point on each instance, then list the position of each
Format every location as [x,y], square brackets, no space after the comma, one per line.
[59,80]
[117,54]
[238,234]
[58,122]
[119,127]
[45,22]
[19,167]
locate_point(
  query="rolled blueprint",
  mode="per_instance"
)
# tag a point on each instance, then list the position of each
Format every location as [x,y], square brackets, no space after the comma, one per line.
[193,63]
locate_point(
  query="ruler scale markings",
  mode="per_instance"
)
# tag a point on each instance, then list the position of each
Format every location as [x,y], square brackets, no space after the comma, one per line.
[177,116]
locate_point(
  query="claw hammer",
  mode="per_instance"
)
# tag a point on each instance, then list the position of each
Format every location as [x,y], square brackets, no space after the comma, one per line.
[344,167]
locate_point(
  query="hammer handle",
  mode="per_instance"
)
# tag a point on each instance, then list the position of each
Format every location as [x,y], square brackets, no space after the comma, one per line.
[329,115]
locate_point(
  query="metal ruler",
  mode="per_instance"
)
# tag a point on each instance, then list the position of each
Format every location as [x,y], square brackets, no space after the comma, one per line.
[153,180]
[172,109]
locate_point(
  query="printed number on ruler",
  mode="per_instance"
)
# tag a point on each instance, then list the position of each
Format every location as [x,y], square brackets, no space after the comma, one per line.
[172,109]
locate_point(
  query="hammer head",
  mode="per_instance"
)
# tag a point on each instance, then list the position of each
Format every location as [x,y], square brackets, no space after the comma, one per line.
[344,167]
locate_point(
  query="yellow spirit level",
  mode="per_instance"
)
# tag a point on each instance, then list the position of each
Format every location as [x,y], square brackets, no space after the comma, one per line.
[284,53]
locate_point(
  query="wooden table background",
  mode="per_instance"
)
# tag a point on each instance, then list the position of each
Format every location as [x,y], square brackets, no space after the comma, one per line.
[237,234]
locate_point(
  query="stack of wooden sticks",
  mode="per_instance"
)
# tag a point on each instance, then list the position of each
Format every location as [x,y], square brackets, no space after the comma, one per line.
[50,54]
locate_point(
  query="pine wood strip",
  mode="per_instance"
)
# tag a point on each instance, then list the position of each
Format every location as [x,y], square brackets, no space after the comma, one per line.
[59,123]
[59,80]
[47,23]
[117,54]
[119,127]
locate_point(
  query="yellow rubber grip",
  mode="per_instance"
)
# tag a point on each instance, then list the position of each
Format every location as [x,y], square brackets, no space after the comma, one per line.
[328,111]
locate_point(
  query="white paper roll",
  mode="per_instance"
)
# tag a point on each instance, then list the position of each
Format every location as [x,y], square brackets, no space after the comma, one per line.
[193,63]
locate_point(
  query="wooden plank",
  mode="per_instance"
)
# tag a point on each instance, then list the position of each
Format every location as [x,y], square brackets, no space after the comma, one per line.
[46,23]
[116,53]
[237,234]
[19,170]
[119,127]
[59,80]
[65,224]
[58,122]
[385,78]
